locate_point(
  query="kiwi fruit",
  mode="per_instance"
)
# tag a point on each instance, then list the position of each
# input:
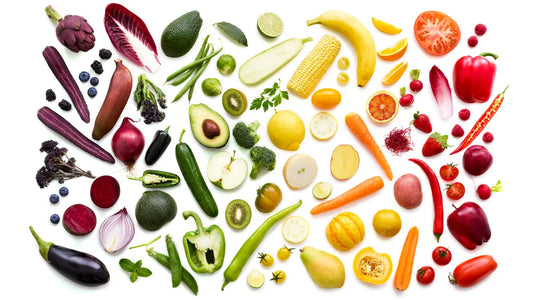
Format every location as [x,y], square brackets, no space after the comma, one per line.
[234,102]
[238,214]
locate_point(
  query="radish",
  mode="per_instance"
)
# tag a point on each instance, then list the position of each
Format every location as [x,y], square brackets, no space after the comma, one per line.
[484,191]
[127,143]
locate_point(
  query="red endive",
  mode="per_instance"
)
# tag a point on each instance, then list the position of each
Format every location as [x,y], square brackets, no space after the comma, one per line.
[441,91]
[130,36]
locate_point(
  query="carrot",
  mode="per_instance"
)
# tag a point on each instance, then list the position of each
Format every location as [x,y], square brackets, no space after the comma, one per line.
[365,188]
[358,127]
[407,257]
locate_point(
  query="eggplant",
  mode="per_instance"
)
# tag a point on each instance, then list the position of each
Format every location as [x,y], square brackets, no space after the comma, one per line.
[77,266]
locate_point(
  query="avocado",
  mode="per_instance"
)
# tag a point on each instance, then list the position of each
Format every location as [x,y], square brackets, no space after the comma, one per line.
[208,127]
[180,35]
[155,209]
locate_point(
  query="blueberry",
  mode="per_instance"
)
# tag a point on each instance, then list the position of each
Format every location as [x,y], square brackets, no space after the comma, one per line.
[54,198]
[94,81]
[91,92]
[63,191]
[54,218]
[84,76]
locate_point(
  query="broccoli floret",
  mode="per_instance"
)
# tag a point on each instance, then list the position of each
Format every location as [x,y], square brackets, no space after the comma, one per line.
[245,135]
[262,159]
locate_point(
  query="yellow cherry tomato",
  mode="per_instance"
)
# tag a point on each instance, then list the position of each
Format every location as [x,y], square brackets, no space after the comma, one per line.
[284,253]
[266,259]
[278,276]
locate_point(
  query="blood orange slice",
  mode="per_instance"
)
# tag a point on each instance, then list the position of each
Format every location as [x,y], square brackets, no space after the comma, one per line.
[382,106]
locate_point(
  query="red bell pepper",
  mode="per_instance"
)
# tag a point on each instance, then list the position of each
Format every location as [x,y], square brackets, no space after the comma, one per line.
[473,77]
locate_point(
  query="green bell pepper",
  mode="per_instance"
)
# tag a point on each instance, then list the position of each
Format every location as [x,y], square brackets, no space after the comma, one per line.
[205,247]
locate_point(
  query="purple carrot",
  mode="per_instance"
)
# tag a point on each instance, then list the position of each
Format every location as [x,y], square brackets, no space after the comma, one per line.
[441,91]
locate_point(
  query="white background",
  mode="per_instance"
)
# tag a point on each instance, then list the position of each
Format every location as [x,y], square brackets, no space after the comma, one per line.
[26,77]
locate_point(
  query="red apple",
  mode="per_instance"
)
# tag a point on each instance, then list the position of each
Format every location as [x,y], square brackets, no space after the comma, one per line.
[469,225]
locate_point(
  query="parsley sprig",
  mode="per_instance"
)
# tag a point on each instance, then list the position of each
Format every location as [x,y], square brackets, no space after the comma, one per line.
[270,97]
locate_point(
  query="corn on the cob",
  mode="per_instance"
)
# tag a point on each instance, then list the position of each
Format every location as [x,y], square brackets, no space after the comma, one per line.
[314,66]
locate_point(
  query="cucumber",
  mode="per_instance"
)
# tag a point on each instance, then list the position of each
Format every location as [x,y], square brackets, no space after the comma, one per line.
[194,179]
[264,64]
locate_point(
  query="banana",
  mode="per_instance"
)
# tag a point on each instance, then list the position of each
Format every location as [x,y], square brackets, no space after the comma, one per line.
[358,35]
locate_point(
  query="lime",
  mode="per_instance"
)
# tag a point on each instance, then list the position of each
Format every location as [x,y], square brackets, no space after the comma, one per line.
[256,278]
[322,190]
[270,25]
[295,229]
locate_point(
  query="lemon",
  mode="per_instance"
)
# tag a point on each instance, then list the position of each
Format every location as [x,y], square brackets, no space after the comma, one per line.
[387,222]
[295,229]
[323,126]
[286,130]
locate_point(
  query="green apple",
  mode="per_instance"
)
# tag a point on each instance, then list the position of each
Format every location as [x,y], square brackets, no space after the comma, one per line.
[226,171]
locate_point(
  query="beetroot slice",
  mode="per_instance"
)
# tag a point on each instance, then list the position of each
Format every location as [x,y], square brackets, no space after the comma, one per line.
[105,191]
[130,36]
[79,219]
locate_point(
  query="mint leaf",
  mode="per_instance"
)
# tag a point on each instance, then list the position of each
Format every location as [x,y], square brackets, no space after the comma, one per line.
[127,265]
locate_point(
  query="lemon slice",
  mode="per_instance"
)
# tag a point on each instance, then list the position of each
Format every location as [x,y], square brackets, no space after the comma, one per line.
[394,52]
[295,229]
[385,27]
[323,126]
[270,25]
[395,74]
[322,190]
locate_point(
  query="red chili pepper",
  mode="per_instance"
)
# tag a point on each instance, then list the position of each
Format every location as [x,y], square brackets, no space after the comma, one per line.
[472,271]
[438,221]
[473,77]
[481,122]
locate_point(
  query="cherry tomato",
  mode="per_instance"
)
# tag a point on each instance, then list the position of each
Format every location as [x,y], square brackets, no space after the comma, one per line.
[284,253]
[436,32]
[441,256]
[472,271]
[268,197]
[278,276]
[455,191]
[449,172]
[266,259]
[425,275]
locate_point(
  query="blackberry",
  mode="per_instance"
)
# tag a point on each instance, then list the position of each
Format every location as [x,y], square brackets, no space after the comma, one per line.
[92,92]
[97,67]
[65,105]
[94,81]
[104,54]
[50,95]
[84,76]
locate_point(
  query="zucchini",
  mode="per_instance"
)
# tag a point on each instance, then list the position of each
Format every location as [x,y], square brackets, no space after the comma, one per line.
[264,64]
[194,179]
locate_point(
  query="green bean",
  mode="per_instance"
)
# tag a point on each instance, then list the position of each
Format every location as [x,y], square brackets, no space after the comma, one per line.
[198,60]
[187,277]
[184,76]
[233,271]
[174,261]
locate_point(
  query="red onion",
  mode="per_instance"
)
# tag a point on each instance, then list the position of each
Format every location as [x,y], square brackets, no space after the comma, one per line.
[117,231]
[127,143]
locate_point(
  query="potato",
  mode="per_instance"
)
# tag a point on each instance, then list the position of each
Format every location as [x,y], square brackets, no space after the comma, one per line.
[344,162]
[408,191]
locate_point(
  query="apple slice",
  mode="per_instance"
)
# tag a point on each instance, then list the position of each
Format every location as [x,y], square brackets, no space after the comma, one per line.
[299,171]
[226,171]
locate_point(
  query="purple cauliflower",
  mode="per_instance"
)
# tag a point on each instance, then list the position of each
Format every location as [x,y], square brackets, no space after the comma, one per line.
[74,32]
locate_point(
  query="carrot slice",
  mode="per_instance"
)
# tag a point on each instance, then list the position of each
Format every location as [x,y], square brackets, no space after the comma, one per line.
[407,257]
[365,188]
[358,127]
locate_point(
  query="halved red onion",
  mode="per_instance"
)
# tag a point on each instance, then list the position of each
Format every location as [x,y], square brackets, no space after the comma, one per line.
[117,231]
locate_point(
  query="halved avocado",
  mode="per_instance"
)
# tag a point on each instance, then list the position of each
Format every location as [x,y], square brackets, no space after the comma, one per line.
[208,127]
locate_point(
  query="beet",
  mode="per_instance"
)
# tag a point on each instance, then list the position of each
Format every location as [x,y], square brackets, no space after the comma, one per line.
[79,219]
[105,191]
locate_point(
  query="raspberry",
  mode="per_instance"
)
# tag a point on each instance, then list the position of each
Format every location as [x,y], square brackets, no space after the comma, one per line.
[457,131]
[97,67]
[488,137]
[464,114]
[50,95]
[472,41]
[480,29]
[104,54]
[65,105]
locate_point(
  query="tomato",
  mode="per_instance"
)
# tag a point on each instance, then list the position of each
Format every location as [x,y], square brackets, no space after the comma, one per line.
[284,253]
[441,255]
[455,191]
[266,259]
[326,98]
[472,271]
[278,276]
[449,172]
[425,275]
[268,197]
[436,32]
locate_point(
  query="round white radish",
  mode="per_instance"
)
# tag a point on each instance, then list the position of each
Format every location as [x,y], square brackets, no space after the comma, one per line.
[300,171]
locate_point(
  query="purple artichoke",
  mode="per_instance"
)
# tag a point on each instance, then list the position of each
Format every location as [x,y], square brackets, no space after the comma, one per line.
[74,32]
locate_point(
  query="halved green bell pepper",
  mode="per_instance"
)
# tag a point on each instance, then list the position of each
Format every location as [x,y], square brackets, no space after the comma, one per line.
[205,247]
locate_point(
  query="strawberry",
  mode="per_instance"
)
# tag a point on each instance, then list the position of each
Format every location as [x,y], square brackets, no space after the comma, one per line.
[435,144]
[422,122]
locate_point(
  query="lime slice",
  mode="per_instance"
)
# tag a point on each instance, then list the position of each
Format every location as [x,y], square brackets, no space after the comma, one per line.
[322,190]
[256,278]
[323,126]
[295,229]
[270,25]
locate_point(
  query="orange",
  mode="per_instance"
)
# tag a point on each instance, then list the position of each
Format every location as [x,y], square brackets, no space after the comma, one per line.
[395,74]
[395,52]
[382,106]
[385,27]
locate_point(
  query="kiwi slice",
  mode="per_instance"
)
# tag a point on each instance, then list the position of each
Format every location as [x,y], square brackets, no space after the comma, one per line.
[234,102]
[238,214]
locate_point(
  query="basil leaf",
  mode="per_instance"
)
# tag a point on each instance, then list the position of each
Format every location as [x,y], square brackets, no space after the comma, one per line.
[233,32]
[144,272]
[133,277]
[127,265]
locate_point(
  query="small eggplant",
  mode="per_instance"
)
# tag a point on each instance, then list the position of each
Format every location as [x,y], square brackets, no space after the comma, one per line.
[158,146]
[77,266]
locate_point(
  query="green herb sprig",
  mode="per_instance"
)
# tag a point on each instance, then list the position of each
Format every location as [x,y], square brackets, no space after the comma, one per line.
[135,269]
[270,97]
